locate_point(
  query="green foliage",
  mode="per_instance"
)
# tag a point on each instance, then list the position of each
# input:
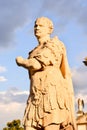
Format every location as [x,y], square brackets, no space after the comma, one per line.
[14,125]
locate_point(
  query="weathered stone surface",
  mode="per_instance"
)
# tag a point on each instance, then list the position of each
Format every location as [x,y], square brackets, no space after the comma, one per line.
[51,100]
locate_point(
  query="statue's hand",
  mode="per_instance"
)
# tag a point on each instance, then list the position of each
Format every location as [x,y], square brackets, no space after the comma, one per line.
[19,61]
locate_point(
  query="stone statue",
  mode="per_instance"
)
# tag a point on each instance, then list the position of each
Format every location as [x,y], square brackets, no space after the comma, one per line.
[80,105]
[51,101]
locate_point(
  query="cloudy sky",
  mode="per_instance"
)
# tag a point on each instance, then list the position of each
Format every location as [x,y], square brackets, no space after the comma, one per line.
[17,39]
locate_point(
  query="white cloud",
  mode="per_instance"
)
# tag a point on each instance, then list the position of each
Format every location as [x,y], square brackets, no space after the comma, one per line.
[2,69]
[13,95]
[10,111]
[12,105]
[2,79]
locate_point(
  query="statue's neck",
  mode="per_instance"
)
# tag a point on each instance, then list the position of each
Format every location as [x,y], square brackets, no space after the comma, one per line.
[42,40]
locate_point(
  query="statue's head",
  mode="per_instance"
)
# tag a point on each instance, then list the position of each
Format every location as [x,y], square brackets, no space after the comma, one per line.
[43,26]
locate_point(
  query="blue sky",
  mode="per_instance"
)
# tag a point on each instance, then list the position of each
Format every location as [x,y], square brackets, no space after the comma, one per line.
[17,39]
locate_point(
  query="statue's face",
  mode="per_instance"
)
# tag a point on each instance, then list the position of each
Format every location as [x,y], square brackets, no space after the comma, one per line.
[41,28]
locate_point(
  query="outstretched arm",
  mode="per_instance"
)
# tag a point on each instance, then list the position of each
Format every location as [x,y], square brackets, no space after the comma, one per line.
[31,63]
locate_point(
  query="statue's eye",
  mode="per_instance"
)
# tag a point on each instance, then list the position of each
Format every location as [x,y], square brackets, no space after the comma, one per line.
[35,25]
[38,26]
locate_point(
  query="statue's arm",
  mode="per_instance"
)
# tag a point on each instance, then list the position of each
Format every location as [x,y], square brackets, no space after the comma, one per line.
[31,63]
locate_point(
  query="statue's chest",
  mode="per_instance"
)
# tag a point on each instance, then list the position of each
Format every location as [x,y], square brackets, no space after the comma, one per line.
[35,51]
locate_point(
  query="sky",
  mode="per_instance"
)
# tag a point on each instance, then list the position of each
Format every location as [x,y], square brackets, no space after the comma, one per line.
[17,38]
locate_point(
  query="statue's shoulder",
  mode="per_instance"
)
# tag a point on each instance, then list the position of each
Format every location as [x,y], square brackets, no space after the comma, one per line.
[58,42]
[55,39]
